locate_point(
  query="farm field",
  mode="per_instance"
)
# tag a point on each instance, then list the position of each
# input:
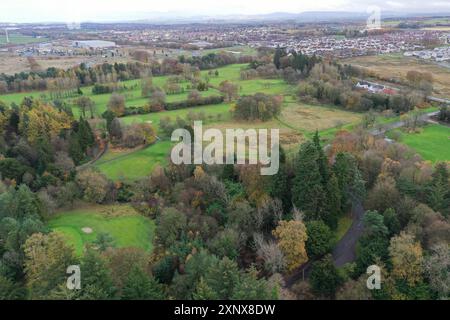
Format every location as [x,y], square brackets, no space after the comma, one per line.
[11,63]
[69,62]
[132,166]
[432,143]
[127,228]
[424,21]
[396,66]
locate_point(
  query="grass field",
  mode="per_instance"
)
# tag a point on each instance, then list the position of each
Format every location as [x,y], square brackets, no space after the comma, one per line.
[133,92]
[437,28]
[126,227]
[154,118]
[424,21]
[15,38]
[396,66]
[432,143]
[244,50]
[134,165]
[296,121]
[311,118]
[132,96]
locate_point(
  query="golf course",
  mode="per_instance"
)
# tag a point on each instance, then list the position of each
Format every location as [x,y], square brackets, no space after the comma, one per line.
[432,142]
[125,226]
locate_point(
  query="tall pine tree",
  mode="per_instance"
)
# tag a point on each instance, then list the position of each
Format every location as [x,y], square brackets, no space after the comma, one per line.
[307,190]
[279,184]
[85,135]
[139,286]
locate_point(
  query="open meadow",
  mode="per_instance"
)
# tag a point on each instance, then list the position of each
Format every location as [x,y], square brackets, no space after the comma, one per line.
[396,66]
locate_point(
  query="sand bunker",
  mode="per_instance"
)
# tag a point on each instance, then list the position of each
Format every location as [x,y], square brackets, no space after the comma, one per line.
[87,230]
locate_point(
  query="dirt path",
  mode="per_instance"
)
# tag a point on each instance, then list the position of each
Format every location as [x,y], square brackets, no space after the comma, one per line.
[97,157]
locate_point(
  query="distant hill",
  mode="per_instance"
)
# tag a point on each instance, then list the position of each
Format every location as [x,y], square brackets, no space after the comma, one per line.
[303,17]
[176,17]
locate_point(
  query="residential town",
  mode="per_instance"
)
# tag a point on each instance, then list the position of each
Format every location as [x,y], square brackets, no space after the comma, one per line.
[439,54]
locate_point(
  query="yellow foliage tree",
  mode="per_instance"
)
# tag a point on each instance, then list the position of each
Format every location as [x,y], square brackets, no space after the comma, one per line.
[43,120]
[199,173]
[46,260]
[407,257]
[291,236]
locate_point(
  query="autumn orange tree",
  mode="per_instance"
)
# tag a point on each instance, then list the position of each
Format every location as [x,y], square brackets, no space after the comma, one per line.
[291,236]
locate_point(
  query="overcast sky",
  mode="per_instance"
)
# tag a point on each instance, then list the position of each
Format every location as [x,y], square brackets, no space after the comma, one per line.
[102,10]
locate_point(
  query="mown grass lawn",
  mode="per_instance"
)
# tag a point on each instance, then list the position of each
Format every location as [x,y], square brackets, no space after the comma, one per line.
[134,98]
[128,228]
[432,143]
[212,111]
[135,165]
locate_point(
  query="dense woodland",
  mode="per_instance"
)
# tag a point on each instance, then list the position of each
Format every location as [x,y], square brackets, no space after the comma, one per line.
[228,233]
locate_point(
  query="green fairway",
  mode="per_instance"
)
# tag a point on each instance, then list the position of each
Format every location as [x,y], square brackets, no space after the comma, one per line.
[210,111]
[135,165]
[128,228]
[432,143]
[133,96]
[295,120]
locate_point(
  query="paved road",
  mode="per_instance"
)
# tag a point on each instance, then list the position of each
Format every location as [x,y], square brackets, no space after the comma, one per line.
[344,251]
[398,124]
